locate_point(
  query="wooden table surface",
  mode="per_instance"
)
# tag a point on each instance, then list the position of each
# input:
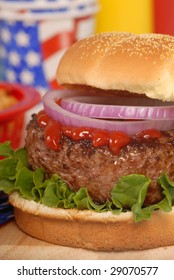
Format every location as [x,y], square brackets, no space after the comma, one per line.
[16,245]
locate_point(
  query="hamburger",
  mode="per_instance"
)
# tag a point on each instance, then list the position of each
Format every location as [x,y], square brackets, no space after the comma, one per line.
[97,169]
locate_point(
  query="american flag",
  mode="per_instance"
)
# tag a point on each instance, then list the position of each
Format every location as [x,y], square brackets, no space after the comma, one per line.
[31,50]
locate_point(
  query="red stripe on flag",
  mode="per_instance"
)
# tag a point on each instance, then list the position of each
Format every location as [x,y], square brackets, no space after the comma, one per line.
[54,84]
[56,43]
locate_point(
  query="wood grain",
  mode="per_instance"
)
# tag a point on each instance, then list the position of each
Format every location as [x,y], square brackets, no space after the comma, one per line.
[16,245]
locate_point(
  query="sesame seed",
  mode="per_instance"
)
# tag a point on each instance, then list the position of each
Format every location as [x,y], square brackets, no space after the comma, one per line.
[130,44]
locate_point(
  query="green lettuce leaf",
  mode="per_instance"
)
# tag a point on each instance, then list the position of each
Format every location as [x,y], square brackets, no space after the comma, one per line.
[7,186]
[130,190]
[57,193]
[130,193]
[168,187]
[24,183]
[83,201]
[127,195]
[6,150]
[8,168]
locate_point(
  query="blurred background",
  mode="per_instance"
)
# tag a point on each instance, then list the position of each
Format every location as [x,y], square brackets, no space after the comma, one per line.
[136,16]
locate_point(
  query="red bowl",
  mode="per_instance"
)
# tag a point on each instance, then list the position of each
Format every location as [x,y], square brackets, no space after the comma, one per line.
[12,119]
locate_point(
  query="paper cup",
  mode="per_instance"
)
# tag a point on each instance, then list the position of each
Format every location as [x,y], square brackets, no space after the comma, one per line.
[12,118]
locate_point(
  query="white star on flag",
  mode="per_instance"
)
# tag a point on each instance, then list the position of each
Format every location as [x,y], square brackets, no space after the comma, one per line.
[11,75]
[5,35]
[14,58]
[32,58]
[22,39]
[27,77]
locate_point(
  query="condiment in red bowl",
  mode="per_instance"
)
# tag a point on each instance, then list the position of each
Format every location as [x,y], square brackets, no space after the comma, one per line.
[12,118]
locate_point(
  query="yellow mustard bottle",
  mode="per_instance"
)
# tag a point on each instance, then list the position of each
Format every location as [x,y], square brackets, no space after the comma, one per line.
[125,15]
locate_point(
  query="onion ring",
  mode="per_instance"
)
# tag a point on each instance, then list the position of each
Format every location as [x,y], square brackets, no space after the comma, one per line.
[119,107]
[70,119]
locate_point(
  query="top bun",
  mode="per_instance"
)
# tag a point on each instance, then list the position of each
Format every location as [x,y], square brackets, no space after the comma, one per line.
[142,64]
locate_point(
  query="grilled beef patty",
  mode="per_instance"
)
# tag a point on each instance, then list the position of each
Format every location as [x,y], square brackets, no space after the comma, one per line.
[98,169]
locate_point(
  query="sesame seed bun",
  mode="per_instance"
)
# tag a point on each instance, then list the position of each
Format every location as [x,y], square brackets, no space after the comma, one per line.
[142,64]
[91,230]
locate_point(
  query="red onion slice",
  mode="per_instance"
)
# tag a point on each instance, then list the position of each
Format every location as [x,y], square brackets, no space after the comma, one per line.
[119,107]
[67,118]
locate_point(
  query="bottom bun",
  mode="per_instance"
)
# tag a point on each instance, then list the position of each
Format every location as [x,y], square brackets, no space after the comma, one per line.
[91,230]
